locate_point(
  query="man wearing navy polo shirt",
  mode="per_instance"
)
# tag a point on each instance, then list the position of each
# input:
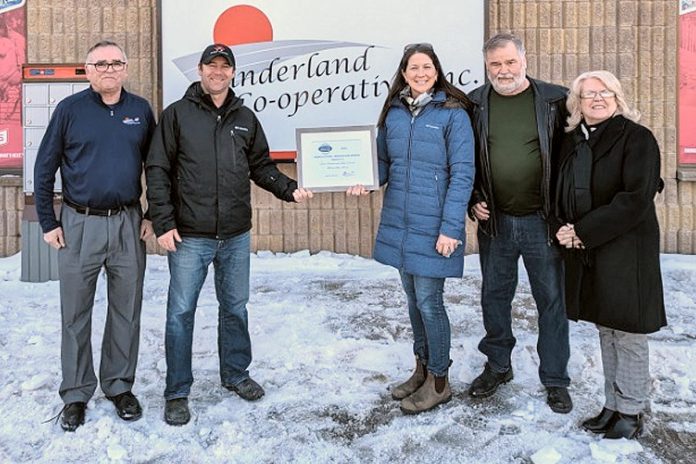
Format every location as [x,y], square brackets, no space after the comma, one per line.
[99,139]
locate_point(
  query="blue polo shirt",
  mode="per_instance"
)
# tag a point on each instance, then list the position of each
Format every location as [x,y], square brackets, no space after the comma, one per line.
[100,150]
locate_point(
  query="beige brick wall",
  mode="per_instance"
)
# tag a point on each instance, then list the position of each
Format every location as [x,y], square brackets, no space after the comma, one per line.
[636,40]
[329,221]
[11,206]
[61,31]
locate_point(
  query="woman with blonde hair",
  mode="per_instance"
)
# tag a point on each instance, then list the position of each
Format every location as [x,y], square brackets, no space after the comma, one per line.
[609,175]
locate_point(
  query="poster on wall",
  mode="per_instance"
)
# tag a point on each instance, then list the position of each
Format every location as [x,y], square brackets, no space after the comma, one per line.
[687,82]
[12,56]
[321,64]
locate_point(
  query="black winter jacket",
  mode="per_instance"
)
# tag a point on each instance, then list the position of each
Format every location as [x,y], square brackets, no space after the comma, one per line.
[199,166]
[551,113]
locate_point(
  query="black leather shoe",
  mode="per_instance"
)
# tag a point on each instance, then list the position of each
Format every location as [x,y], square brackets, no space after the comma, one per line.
[559,400]
[602,422]
[73,416]
[626,426]
[248,389]
[488,382]
[127,406]
[176,411]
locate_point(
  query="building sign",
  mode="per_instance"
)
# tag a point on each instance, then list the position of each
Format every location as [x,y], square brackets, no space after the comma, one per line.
[12,56]
[321,64]
[687,82]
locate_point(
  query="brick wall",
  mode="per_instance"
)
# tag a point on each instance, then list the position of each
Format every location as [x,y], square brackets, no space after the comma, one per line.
[329,221]
[61,31]
[636,40]
[11,206]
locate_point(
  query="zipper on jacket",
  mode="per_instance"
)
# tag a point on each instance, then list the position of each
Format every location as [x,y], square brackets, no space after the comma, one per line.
[217,178]
[408,182]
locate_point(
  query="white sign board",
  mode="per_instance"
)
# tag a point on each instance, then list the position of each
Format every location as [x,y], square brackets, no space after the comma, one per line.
[317,63]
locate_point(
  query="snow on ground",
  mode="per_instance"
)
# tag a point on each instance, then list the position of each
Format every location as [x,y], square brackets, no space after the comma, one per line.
[330,335]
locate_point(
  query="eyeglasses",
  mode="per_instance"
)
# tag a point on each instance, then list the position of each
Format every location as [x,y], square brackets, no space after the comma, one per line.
[418,46]
[102,66]
[592,94]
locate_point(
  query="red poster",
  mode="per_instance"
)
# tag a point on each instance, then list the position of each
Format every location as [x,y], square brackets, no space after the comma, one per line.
[687,82]
[13,52]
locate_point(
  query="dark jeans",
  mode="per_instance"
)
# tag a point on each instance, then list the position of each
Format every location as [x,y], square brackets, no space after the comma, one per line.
[429,321]
[525,236]
[188,267]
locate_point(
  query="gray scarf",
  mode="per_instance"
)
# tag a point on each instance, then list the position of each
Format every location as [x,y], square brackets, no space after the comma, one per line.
[415,105]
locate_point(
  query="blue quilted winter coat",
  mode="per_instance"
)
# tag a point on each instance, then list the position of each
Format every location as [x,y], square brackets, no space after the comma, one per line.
[427,162]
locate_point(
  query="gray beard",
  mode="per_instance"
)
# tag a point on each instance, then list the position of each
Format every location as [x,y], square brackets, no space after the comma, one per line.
[510,88]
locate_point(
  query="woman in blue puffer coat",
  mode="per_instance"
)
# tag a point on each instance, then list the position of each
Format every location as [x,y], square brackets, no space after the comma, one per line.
[426,158]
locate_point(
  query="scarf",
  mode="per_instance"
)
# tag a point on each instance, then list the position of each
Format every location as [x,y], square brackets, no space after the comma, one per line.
[574,198]
[573,194]
[415,105]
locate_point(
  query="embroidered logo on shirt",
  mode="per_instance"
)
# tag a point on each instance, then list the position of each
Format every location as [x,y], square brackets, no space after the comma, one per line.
[430,126]
[131,121]
[241,128]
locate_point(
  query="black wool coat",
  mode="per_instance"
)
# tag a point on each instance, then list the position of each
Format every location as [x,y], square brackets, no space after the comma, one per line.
[616,282]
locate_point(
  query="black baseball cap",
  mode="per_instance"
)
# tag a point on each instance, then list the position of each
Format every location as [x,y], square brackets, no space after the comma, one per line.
[211,51]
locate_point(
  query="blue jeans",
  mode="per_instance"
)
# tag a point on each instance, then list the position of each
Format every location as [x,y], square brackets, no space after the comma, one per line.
[429,321]
[525,236]
[188,267]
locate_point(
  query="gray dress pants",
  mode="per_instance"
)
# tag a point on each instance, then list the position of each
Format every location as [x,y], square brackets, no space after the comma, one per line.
[93,243]
[625,360]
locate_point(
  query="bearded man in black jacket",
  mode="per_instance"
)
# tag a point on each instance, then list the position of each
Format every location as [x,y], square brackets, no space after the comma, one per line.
[518,125]
[206,147]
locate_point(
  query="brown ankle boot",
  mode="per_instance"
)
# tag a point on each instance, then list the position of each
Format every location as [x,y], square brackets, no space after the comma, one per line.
[412,384]
[435,391]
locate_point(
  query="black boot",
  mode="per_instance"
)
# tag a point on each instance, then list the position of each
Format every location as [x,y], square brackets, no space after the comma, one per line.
[176,411]
[127,406]
[602,422]
[73,416]
[488,382]
[626,426]
[559,400]
[247,389]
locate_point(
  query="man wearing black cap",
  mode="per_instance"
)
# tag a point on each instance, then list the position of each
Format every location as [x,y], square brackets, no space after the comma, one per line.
[206,147]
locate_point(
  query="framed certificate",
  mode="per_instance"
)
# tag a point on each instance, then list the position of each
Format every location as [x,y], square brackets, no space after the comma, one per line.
[331,159]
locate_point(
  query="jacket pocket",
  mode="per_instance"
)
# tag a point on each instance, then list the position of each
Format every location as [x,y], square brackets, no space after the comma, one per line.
[441,181]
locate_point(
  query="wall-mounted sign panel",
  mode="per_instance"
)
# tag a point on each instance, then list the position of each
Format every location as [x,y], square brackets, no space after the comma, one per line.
[13,52]
[319,64]
[687,82]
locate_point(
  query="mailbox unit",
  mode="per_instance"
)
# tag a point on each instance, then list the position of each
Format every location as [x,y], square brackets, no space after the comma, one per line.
[43,87]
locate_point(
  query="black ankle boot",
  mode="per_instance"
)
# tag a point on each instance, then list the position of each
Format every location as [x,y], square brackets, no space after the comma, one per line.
[488,382]
[626,426]
[602,422]
[73,416]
